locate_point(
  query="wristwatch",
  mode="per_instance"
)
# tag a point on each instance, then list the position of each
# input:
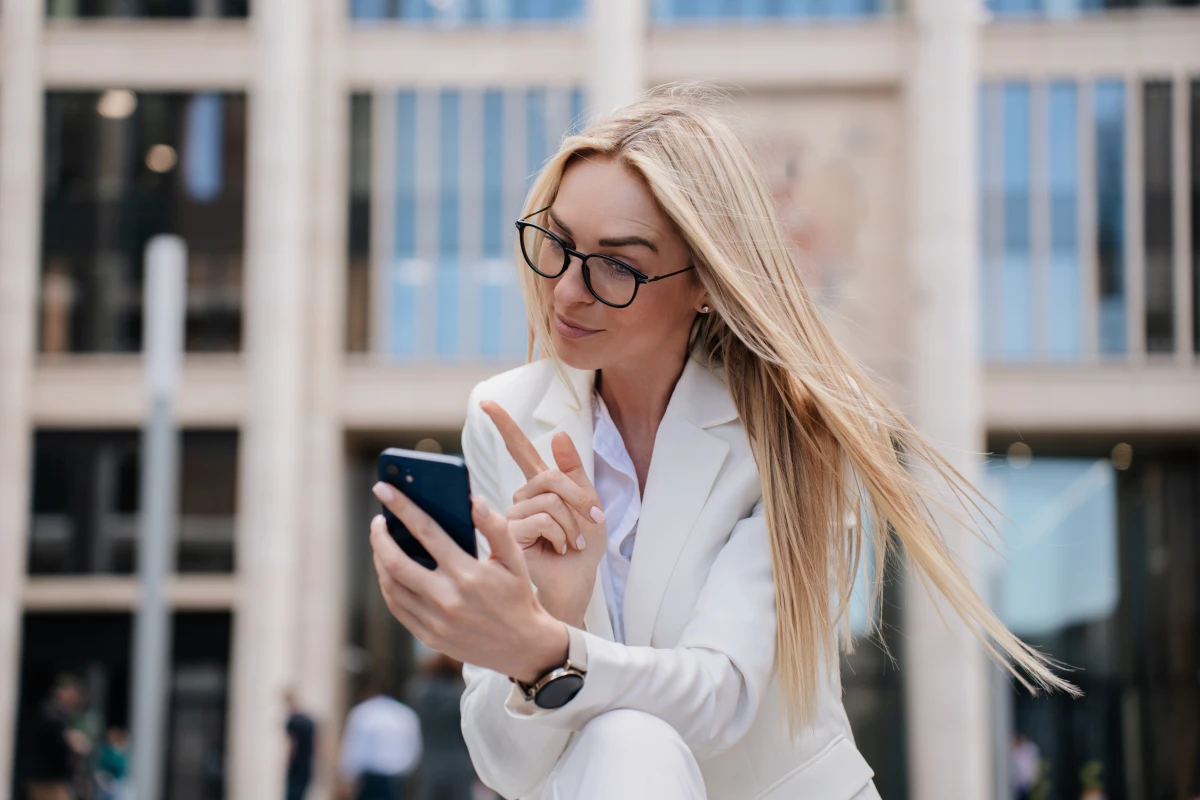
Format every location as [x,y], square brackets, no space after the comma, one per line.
[558,686]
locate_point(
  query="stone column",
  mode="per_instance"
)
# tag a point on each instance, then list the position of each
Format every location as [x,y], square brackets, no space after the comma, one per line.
[322,598]
[616,31]
[273,477]
[946,675]
[20,235]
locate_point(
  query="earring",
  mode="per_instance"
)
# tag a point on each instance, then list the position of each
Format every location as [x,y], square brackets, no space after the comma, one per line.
[704,309]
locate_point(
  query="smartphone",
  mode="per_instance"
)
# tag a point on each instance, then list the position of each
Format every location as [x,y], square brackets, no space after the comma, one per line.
[440,486]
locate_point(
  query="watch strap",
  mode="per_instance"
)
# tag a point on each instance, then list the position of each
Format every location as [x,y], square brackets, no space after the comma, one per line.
[576,664]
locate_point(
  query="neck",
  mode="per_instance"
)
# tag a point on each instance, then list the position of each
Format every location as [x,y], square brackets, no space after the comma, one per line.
[637,394]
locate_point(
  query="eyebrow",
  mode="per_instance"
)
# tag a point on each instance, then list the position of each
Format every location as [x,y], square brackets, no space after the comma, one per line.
[622,241]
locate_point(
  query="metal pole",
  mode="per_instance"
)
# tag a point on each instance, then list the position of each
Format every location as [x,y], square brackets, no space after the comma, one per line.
[163,310]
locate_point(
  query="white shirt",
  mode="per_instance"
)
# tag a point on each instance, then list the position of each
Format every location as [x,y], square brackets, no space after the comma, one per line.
[617,484]
[382,736]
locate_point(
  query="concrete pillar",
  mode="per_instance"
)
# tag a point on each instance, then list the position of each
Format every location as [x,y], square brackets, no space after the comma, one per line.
[616,33]
[20,235]
[322,599]
[946,675]
[273,477]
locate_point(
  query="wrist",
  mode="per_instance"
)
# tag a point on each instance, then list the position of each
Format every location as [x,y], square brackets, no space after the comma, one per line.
[548,649]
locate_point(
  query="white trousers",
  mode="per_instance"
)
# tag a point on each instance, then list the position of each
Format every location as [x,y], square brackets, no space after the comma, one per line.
[632,755]
[629,755]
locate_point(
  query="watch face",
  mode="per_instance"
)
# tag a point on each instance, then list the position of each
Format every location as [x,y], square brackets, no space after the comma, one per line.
[559,691]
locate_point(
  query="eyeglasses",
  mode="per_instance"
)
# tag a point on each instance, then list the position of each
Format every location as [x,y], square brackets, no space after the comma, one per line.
[610,281]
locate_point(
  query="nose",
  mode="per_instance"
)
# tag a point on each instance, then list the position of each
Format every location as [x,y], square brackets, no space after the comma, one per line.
[569,288]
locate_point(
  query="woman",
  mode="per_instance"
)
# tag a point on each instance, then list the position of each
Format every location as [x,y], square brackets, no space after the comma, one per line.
[708,439]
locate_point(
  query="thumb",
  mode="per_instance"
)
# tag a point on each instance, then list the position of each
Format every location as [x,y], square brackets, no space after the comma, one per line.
[494,527]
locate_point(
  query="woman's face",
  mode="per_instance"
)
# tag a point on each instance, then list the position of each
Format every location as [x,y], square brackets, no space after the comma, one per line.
[604,207]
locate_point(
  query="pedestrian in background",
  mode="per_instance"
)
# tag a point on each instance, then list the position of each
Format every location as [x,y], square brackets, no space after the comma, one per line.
[381,746]
[58,749]
[302,734]
[446,770]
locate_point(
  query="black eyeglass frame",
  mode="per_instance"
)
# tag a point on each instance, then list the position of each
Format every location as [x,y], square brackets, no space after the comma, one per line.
[569,253]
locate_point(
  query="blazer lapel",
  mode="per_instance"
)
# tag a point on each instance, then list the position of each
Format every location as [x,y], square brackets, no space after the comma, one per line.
[684,464]
[562,412]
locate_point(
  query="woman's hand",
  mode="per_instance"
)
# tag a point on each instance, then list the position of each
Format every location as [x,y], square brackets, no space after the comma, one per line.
[480,612]
[556,518]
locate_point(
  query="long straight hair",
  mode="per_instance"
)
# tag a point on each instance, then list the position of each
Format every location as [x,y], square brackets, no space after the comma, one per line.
[829,445]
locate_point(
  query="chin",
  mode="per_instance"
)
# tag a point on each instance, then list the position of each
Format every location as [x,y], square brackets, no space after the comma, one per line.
[578,355]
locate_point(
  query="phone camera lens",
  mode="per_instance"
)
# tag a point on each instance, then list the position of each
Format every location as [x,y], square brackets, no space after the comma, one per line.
[392,470]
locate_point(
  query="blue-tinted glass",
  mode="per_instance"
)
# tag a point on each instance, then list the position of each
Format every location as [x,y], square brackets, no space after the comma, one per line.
[801,8]
[1064,325]
[448,267]
[1017,278]
[1060,542]
[203,147]
[535,131]
[850,8]
[495,226]
[708,9]
[1015,7]
[402,319]
[368,9]
[1110,214]
[578,120]
[990,192]
[496,10]
[416,9]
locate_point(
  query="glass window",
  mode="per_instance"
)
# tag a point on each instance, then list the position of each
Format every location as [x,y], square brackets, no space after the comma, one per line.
[1067,9]
[121,167]
[358,318]
[85,502]
[1109,121]
[1158,216]
[487,12]
[757,10]
[1099,569]
[71,9]
[1017,266]
[1194,159]
[439,283]
[94,649]
[1063,325]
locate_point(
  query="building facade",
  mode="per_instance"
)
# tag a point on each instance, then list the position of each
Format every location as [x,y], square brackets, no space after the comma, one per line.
[997,206]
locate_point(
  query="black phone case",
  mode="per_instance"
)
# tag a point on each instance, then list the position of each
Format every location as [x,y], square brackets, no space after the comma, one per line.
[439,485]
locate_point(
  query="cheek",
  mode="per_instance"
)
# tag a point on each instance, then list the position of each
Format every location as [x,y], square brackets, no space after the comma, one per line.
[653,319]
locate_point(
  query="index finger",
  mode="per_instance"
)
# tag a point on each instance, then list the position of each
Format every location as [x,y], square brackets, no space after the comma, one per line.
[518,444]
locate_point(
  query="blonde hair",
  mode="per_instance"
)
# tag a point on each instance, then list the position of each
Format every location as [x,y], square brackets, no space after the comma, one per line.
[829,445]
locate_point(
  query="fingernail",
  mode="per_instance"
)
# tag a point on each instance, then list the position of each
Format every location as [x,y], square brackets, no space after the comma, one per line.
[597,514]
[579,542]
[384,492]
[564,550]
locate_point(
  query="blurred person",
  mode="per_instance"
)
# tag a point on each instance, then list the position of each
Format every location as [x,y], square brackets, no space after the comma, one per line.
[672,475]
[302,735]
[381,745]
[58,751]
[446,770]
[112,765]
[1024,765]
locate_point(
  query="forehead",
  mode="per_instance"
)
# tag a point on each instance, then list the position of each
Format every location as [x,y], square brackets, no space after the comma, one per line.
[601,197]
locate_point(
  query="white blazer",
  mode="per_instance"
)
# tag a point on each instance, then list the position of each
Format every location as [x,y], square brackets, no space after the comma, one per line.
[699,608]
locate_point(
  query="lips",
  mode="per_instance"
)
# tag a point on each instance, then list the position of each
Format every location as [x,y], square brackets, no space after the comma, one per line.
[575,324]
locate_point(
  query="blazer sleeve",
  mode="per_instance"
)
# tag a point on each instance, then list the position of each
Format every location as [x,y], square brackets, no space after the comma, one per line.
[708,687]
[510,757]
